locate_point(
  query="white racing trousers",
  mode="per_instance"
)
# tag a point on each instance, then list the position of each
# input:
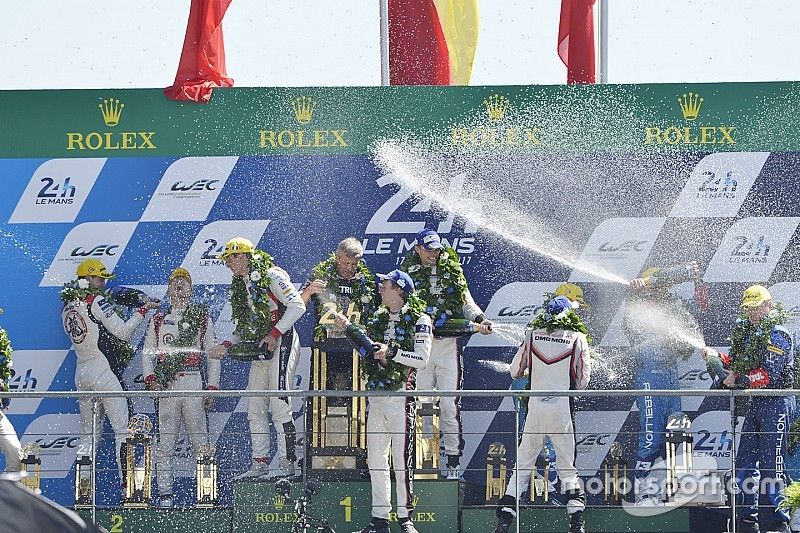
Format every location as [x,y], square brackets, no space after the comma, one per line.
[275,374]
[171,411]
[94,374]
[9,444]
[445,372]
[390,430]
[548,417]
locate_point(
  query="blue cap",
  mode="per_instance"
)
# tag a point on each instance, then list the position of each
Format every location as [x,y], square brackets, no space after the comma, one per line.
[429,239]
[402,280]
[559,304]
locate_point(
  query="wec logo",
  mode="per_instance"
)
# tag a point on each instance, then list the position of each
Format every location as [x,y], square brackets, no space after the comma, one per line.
[98,251]
[527,310]
[59,443]
[626,246]
[594,439]
[198,185]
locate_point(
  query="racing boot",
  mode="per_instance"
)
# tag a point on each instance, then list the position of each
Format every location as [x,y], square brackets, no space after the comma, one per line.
[506,512]
[576,524]
[376,525]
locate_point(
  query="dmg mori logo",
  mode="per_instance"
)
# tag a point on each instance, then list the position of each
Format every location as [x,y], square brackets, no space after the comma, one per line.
[111,113]
[303,108]
[690,105]
[749,249]
[97,251]
[497,107]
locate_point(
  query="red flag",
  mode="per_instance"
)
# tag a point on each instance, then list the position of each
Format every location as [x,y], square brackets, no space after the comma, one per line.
[576,40]
[202,64]
[417,47]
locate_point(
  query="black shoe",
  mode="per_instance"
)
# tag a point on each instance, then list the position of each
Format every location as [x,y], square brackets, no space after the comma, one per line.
[407,526]
[502,528]
[376,525]
[576,522]
[779,526]
[505,513]
[746,526]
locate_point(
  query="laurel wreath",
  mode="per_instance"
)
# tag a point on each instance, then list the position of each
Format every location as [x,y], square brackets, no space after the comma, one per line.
[78,289]
[392,376]
[749,341]
[5,366]
[449,304]
[792,497]
[569,320]
[252,323]
[188,328]
[363,289]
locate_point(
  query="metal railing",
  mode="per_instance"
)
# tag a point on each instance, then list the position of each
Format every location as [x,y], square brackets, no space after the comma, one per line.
[731,395]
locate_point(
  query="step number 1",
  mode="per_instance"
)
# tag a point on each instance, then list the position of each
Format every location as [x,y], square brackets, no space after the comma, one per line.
[347,503]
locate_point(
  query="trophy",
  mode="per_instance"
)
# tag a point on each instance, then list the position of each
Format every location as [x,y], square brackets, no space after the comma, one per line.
[338,424]
[496,464]
[427,441]
[679,438]
[539,483]
[138,462]
[84,494]
[206,476]
[616,473]
[31,467]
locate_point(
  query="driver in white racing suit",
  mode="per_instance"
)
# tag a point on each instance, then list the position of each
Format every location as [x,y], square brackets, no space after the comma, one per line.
[172,358]
[90,321]
[9,442]
[270,305]
[555,357]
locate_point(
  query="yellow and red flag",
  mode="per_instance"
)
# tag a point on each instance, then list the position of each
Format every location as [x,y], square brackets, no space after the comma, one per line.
[432,42]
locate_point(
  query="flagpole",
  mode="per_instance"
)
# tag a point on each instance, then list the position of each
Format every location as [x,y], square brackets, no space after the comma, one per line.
[384,14]
[603,27]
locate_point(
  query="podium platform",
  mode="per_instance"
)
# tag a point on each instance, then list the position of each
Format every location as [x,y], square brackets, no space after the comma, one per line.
[346,505]
[176,520]
[598,520]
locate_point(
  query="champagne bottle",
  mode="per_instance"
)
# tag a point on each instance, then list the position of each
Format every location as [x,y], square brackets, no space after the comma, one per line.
[454,327]
[359,340]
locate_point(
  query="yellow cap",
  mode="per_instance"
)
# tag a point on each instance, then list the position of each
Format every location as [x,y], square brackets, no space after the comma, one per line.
[237,245]
[180,273]
[755,295]
[571,291]
[93,267]
[649,272]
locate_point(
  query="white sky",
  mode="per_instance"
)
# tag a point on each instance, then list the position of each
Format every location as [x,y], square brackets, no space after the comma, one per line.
[90,44]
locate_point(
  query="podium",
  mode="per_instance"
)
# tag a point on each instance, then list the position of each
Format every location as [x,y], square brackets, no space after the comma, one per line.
[338,443]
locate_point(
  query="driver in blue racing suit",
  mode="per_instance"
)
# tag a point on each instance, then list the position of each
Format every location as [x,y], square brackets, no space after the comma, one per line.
[653,317]
[762,356]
